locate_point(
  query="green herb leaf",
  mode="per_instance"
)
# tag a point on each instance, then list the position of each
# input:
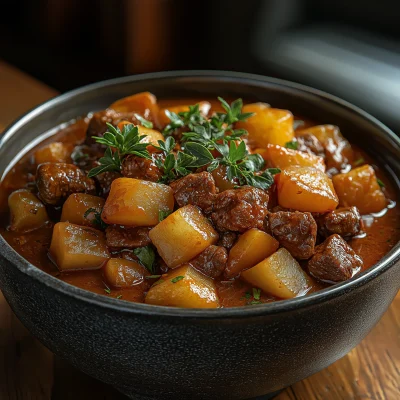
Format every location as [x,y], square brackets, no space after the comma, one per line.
[273,171]
[119,296]
[96,218]
[177,279]
[358,162]
[107,289]
[143,121]
[256,294]
[126,142]
[201,153]
[146,256]
[380,183]
[162,214]
[153,276]
[294,144]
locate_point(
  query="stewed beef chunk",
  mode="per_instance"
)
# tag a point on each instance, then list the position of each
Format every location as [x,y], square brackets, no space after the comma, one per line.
[344,221]
[334,260]
[105,180]
[227,239]
[127,238]
[140,168]
[98,123]
[197,189]
[211,261]
[240,209]
[308,143]
[56,181]
[296,231]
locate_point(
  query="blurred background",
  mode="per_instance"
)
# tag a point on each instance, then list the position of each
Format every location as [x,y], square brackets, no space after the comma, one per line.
[349,48]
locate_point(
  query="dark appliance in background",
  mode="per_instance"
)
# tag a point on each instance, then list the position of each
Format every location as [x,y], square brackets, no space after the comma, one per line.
[348,48]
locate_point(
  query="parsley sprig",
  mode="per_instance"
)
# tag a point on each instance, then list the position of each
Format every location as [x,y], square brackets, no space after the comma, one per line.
[126,142]
[147,257]
[219,129]
[177,164]
[243,167]
[190,118]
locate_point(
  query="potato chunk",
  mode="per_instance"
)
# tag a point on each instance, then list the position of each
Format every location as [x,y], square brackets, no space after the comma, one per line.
[55,152]
[122,273]
[281,157]
[183,235]
[133,202]
[306,189]
[184,287]
[204,107]
[77,205]
[143,103]
[250,249]
[75,247]
[268,125]
[360,188]
[27,211]
[279,274]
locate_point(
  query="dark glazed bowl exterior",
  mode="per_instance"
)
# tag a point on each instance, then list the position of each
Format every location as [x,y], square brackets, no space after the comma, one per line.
[212,354]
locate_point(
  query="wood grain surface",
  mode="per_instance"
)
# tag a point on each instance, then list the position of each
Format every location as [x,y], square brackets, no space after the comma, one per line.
[28,371]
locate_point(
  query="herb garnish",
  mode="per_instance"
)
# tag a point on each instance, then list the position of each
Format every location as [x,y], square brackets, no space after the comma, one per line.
[294,144]
[175,165]
[107,289]
[185,118]
[97,218]
[256,297]
[126,142]
[242,166]
[119,296]
[359,162]
[153,276]
[143,121]
[177,279]
[380,183]
[162,214]
[146,256]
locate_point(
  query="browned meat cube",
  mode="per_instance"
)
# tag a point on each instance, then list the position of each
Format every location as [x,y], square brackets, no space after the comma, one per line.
[211,261]
[105,180]
[240,209]
[196,189]
[296,231]
[227,239]
[97,125]
[140,168]
[334,261]
[56,181]
[83,156]
[308,143]
[127,238]
[344,221]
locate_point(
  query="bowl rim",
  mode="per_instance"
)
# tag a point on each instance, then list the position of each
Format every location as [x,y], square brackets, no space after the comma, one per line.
[119,305]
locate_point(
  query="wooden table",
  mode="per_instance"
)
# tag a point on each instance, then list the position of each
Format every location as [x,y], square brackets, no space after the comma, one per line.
[28,371]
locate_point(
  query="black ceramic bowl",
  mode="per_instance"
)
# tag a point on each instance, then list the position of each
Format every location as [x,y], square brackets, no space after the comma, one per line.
[176,353]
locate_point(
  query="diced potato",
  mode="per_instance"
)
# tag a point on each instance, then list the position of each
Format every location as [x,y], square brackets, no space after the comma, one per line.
[77,205]
[360,188]
[122,273]
[204,107]
[280,274]
[183,235]
[324,133]
[281,157]
[133,202]
[27,211]
[75,247]
[143,103]
[184,287]
[306,189]
[152,136]
[268,125]
[221,180]
[251,248]
[55,152]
